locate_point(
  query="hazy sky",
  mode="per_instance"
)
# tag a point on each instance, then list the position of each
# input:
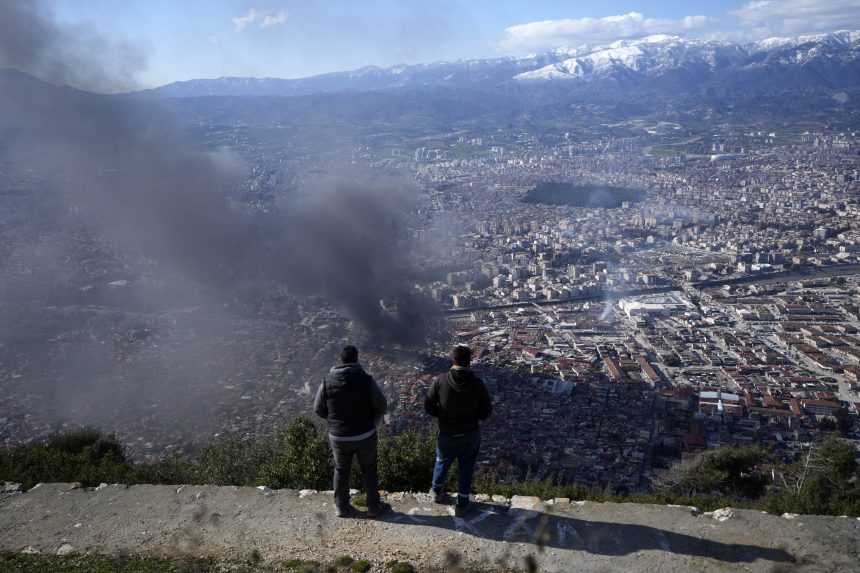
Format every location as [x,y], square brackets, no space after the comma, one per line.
[293,38]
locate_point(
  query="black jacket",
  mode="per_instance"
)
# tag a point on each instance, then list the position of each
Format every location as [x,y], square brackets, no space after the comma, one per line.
[460,400]
[350,400]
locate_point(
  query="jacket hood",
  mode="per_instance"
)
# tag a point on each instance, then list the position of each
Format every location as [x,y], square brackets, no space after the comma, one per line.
[341,371]
[460,378]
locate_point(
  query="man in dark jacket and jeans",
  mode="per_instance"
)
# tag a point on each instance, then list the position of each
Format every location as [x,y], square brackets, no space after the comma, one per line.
[459,400]
[352,403]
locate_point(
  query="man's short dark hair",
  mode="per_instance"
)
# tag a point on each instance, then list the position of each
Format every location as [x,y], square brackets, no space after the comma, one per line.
[462,355]
[349,354]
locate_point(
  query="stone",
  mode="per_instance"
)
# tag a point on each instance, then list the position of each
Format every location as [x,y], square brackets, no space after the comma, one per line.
[723,514]
[264,489]
[353,491]
[482,498]
[561,501]
[526,502]
[307,492]
[499,499]
[397,496]
[789,515]
[30,550]
[9,487]
[65,549]
[103,485]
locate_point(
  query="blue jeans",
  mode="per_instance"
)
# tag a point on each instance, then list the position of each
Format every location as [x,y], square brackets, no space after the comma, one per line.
[463,448]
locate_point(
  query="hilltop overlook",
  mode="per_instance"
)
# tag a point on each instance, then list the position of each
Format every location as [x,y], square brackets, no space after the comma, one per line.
[283,528]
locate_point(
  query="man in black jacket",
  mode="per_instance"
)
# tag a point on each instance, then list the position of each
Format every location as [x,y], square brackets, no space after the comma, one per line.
[352,403]
[459,400]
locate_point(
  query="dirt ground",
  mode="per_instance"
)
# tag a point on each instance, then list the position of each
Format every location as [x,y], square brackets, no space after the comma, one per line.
[561,536]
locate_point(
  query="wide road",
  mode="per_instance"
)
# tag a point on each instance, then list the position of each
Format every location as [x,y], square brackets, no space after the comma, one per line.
[805,272]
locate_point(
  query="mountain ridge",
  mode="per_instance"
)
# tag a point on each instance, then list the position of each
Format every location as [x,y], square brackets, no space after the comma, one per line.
[829,60]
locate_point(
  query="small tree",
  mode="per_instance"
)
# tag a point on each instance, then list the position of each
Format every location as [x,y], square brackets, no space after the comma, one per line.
[232,461]
[406,461]
[823,480]
[730,471]
[301,458]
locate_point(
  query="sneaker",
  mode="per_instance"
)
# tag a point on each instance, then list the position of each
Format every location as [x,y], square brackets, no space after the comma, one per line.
[440,497]
[347,511]
[376,510]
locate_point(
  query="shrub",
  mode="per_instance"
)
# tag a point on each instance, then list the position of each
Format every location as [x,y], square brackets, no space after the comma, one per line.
[406,461]
[84,456]
[232,461]
[300,458]
[399,567]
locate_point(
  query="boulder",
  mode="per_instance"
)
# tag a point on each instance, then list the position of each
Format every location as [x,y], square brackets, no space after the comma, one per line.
[9,487]
[723,514]
[526,502]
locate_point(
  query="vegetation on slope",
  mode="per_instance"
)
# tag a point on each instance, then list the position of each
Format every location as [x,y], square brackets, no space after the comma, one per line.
[825,480]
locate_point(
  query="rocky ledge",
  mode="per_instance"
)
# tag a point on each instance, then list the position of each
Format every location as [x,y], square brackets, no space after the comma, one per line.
[558,535]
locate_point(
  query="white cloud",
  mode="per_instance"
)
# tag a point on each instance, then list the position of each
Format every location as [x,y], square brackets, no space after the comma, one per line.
[774,17]
[274,19]
[573,31]
[262,18]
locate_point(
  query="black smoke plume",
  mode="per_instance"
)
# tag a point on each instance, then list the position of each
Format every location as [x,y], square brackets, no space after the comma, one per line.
[116,162]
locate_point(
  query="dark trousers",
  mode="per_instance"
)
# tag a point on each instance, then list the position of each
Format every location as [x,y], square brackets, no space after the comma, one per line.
[463,448]
[343,452]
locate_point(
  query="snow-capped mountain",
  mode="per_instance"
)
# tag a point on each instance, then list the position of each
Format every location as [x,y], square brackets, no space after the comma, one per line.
[657,55]
[824,60]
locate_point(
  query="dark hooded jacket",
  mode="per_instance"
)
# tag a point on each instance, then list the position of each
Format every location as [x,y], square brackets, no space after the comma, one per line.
[460,400]
[350,400]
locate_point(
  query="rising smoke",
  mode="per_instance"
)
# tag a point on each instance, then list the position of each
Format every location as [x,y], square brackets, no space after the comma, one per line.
[120,166]
[95,188]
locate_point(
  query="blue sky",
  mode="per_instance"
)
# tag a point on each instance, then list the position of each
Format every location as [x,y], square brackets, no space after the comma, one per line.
[185,39]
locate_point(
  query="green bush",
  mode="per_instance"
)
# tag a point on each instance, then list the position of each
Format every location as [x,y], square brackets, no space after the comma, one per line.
[406,461]
[399,567]
[299,459]
[85,456]
[232,461]
[361,566]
